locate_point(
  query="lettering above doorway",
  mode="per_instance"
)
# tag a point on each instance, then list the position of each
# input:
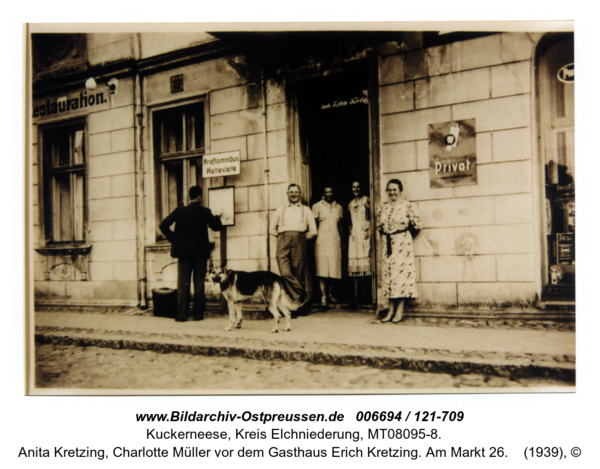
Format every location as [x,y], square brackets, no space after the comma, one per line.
[360,98]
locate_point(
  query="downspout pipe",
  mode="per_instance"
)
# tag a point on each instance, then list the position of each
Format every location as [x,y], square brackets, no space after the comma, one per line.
[140,215]
[266,165]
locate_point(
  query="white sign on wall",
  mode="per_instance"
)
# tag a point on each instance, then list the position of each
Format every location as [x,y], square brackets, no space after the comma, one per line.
[221,164]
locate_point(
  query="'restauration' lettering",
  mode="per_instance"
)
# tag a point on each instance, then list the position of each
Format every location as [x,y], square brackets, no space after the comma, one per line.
[64,104]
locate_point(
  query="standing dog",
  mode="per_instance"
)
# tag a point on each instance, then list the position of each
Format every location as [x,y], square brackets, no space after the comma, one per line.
[237,286]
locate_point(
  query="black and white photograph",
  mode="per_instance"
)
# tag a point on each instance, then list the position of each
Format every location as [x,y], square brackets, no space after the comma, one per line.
[222,209]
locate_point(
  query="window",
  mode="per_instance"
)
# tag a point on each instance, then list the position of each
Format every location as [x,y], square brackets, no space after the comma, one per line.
[64,183]
[179,144]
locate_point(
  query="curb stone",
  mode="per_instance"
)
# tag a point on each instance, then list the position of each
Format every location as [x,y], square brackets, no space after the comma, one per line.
[507,365]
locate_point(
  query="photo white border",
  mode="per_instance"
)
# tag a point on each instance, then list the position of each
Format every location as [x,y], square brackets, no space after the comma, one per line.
[554,418]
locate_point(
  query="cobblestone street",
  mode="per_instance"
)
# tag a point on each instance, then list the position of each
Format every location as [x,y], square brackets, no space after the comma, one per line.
[67,366]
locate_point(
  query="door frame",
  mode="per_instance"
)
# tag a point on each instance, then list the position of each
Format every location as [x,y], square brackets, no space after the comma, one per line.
[298,163]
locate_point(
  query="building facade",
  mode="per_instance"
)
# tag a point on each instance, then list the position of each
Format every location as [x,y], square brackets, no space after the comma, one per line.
[478,127]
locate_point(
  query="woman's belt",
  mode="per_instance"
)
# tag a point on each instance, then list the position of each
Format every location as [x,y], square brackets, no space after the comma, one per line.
[388,240]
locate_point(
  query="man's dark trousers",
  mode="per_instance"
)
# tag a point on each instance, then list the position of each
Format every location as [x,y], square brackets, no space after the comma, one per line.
[186,266]
[291,253]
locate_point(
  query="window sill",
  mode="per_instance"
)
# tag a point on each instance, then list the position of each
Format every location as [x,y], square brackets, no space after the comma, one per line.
[65,250]
[66,262]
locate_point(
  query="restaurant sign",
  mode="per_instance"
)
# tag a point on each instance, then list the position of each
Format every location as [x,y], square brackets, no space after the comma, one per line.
[71,104]
[452,154]
[221,164]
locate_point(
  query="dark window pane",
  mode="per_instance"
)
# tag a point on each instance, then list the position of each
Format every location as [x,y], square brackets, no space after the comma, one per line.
[190,131]
[62,149]
[195,127]
[173,132]
[174,185]
[197,163]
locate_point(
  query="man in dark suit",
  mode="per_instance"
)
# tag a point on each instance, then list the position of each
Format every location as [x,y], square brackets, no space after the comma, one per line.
[191,247]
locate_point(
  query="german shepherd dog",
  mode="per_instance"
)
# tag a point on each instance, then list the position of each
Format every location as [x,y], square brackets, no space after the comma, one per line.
[237,286]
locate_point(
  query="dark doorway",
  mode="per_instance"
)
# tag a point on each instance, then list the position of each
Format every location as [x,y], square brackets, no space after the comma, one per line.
[335,140]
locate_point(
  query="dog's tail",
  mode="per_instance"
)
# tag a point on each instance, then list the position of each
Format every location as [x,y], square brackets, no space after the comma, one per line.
[291,304]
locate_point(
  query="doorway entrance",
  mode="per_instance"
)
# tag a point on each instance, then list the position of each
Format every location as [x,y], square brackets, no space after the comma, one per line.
[335,141]
[557,129]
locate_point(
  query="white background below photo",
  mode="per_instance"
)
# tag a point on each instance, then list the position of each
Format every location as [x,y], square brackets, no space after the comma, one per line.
[513,422]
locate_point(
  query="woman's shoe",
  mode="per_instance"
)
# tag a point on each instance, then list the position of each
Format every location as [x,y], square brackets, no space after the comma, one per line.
[324,302]
[399,313]
[397,319]
[388,317]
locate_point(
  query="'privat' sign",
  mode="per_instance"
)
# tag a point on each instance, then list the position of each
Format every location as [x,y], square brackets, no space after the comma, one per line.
[452,154]
[221,164]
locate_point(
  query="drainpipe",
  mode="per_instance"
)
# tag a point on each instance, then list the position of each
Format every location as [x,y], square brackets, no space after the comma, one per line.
[264,100]
[140,215]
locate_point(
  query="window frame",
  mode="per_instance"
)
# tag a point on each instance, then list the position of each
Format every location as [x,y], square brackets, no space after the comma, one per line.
[46,175]
[156,140]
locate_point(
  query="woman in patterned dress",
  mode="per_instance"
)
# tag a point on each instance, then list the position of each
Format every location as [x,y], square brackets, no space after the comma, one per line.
[359,244]
[328,248]
[398,272]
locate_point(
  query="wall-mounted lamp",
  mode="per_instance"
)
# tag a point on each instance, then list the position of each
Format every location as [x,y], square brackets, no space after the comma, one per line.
[90,84]
[112,84]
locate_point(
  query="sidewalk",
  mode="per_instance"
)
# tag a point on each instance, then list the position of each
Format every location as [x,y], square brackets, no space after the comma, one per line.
[333,337]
